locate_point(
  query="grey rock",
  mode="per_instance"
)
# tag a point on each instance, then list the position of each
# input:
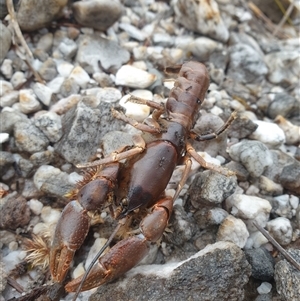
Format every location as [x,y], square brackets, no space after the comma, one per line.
[94,49]
[290,177]
[42,158]
[280,160]
[48,70]
[33,15]
[287,278]
[52,181]
[206,217]
[262,263]
[283,104]
[201,17]
[254,155]
[5,41]
[182,227]
[69,87]
[218,272]
[50,124]
[14,212]
[6,158]
[211,188]
[25,167]
[241,127]
[45,42]
[81,126]
[245,64]
[284,67]
[240,171]
[9,118]
[98,14]
[29,138]
[115,140]
[209,123]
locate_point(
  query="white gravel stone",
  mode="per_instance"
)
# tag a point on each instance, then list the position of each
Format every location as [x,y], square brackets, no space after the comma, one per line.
[137,111]
[249,208]
[264,288]
[49,215]
[255,240]
[109,94]
[234,230]
[18,79]
[268,133]
[28,102]
[68,48]
[64,69]
[43,93]
[78,271]
[133,32]
[10,98]
[133,77]
[281,229]
[35,206]
[6,68]
[80,76]
[5,87]
[64,104]
[202,47]
[56,84]
[4,137]
[294,201]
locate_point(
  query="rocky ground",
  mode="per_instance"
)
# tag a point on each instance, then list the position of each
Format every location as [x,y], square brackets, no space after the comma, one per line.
[84,58]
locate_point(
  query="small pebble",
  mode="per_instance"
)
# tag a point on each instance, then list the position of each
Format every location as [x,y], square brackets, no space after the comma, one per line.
[281,229]
[80,76]
[254,155]
[133,77]
[18,79]
[249,208]
[264,288]
[43,93]
[35,206]
[50,124]
[136,111]
[268,133]
[234,230]
[4,137]
[7,69]
[109,94]
[95,13]
[10,98]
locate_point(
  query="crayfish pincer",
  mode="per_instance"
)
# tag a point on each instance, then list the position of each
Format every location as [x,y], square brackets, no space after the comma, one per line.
[134,189]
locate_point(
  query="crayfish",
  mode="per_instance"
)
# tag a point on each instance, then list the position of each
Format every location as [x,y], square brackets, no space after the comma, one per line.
[136,186]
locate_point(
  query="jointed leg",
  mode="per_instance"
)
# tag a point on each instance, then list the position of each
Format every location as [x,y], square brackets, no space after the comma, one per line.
[217,133]
[185,174]
[134,123]
[116,156]
[222,170]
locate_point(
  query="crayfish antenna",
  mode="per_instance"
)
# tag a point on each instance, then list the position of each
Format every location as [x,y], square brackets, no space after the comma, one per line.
[121,223]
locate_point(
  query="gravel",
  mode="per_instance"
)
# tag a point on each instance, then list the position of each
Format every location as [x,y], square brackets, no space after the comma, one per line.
[90,56]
